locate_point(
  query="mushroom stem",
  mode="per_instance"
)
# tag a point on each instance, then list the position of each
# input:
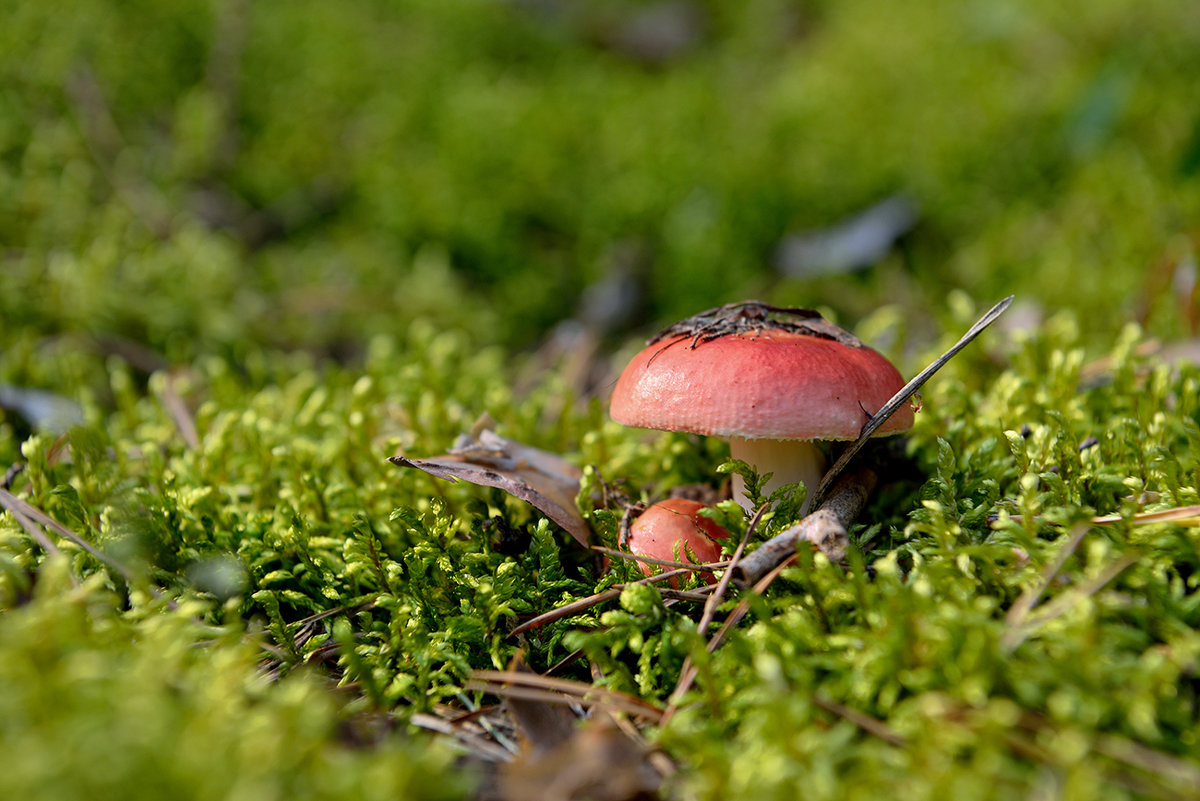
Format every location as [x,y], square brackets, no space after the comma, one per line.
[789,461]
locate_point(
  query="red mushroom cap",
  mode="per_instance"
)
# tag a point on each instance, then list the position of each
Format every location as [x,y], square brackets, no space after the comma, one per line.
[768,383]
[672,530]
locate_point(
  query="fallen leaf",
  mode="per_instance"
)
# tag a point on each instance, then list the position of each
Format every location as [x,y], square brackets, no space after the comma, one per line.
[564,756]
[598,762]
[543,479]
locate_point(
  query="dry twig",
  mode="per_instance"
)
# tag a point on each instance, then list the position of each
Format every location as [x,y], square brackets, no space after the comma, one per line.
[10,475]
[901,398]
[1184,515]
[702,567]
[1058,607]
[472,742]
[1024,604]
[576,607]
[824,528]
[868,723]
[519,684]
[19,508]
[179,412]
[688,674]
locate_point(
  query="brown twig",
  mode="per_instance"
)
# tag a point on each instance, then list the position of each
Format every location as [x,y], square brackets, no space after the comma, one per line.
[1156,763]
[179,412]
[1058,607]
[485,749]
[1166,776]
[687,675]
[1023,605]
[328,613]
[868,723]
[901,398]
[31,528]
[632,510]
[1179,514]
[17,507]
[703,567]
[576,607]
[10,474]
[743,606]
[566,610]
[714,600]
[533,686]
[699,595]
[825,528]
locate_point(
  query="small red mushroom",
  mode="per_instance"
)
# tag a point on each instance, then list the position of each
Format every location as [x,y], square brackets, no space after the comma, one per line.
[673,530]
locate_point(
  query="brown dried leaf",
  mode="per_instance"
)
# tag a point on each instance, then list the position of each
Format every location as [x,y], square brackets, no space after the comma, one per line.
[543,725]
[565,756]
[597,762]
[543,479]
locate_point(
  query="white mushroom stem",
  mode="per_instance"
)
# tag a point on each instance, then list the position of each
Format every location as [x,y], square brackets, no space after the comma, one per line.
[789,460]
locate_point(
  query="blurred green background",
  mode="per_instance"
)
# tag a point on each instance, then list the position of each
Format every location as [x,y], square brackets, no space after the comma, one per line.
[221,176]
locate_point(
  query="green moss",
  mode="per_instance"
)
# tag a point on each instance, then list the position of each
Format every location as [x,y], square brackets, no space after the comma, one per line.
[323,236]
[147,702]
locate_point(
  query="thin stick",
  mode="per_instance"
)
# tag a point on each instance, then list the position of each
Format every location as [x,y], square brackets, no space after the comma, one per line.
[687,674]
[550,696]
[1166,772]
[532,686]
[1179,514]
[697,596]
[575,607]
[179,412]
[566,660]
[12,502]
[868,723]
[12,472]
[1059,606]
[328,613]
[38,535]
[566,610]
[482,748]
[714,600]
[1156,763]
[901,397]
[825,528]
[1016,615]
[743,606]
[703,567]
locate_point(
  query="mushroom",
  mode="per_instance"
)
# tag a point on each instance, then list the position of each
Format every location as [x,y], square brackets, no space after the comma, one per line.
[674,530]
[774,382]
